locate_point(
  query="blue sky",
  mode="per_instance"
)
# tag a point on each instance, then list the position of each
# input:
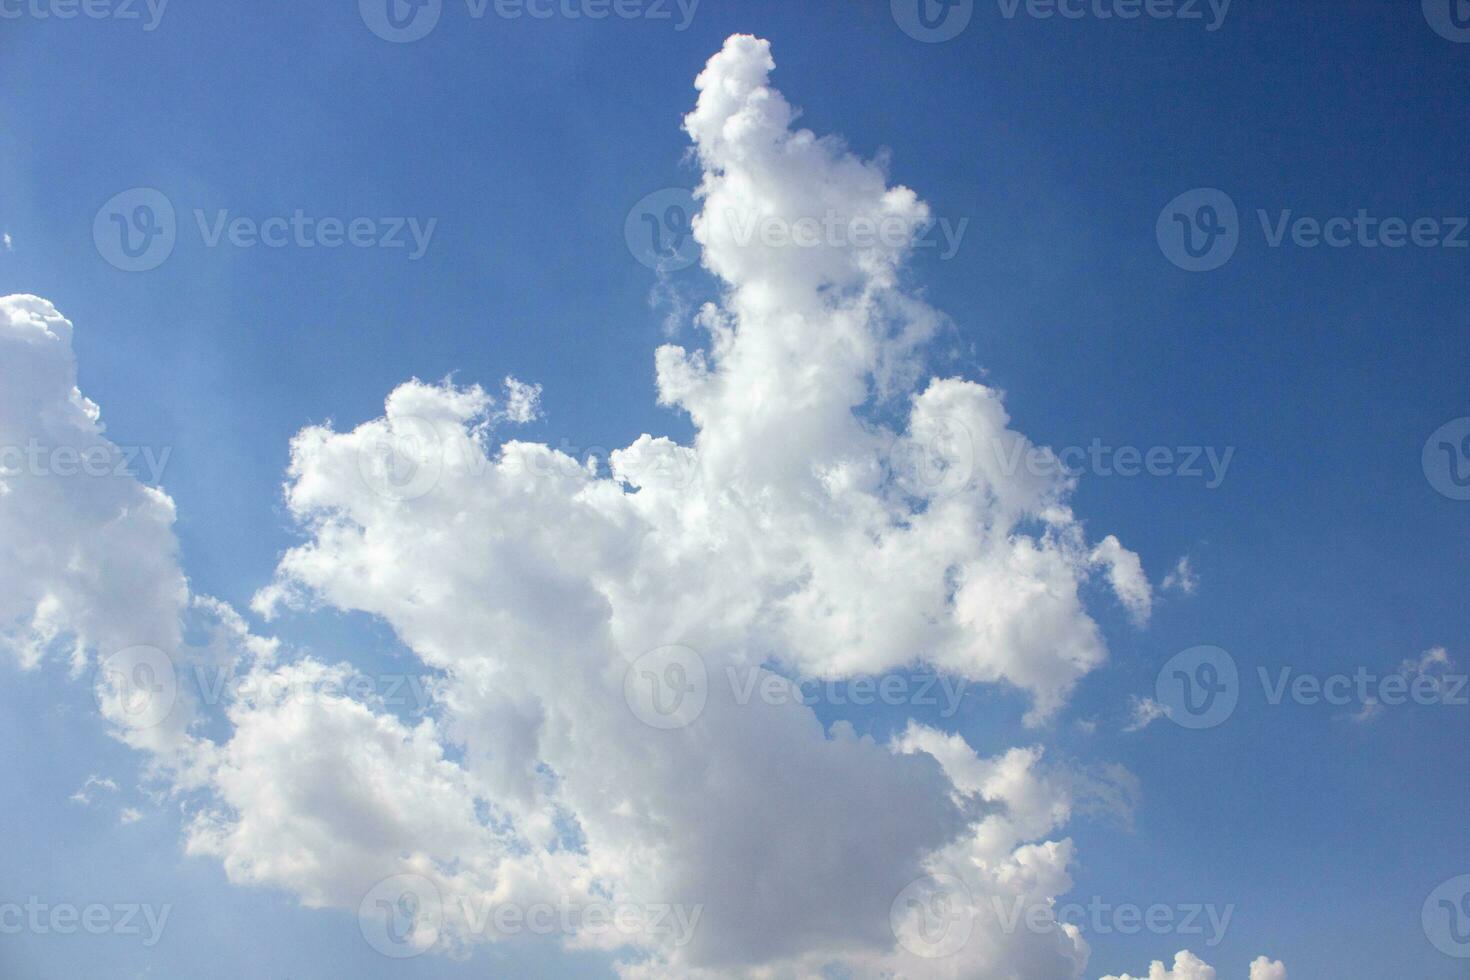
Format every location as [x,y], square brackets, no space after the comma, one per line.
[1324,548]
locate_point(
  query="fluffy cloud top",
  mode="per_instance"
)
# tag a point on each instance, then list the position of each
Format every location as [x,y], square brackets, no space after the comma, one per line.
[1187,966]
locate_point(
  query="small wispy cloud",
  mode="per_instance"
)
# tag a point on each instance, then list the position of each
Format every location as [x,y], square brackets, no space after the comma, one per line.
[87,793]
[1182,578]
[1433,663]
[1145,712]
[1371,709]
[5,240]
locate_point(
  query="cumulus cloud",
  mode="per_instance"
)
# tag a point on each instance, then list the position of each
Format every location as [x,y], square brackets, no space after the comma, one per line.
[837,515]
[1267,969]
[1187,966]
[88,559]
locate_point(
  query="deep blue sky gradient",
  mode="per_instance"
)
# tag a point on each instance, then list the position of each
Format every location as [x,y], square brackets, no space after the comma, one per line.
[1326,548]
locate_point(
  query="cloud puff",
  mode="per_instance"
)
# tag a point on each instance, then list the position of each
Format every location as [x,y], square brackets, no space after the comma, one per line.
[836,516]
[1187,966]
[1183,578]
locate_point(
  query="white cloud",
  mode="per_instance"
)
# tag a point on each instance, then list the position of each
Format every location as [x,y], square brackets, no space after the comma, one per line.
[1434,664]
[1125,574]
[836,515]
[1183,577]
[522,401]
[88,564]
[1266,969]
[1187,966]
[94,782]
[1144,712]
[5,240]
